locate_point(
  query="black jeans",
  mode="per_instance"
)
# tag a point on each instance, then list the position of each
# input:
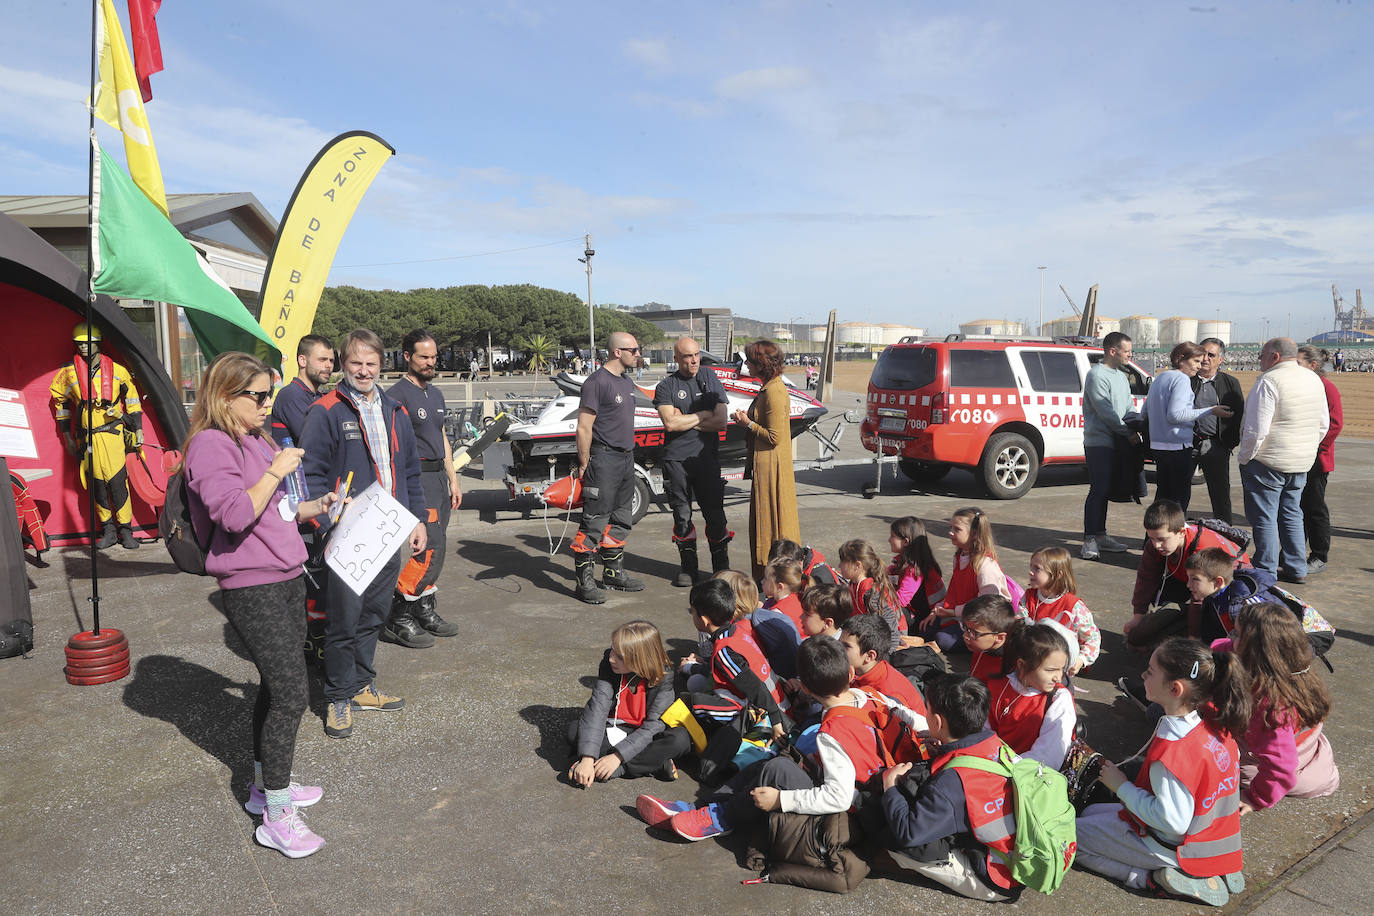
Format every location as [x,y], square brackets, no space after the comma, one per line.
[1215,464]
[1316,517]
[271,620]
[699,477]
[1174,475]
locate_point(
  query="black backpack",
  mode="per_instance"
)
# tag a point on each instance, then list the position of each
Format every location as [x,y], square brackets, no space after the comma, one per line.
[177,529]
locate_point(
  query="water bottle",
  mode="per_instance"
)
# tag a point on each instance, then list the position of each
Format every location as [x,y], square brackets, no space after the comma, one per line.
[295,481]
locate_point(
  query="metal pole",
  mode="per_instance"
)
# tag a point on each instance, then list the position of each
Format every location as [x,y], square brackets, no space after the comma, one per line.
[591,310]
[91,364]
[1040,329]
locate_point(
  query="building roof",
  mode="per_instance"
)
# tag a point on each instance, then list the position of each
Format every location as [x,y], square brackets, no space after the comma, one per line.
[189,213]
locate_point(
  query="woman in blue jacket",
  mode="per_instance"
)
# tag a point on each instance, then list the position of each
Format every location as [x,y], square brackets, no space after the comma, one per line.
[1170,412]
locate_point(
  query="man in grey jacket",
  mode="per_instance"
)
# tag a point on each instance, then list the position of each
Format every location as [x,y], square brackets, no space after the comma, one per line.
[1106,401]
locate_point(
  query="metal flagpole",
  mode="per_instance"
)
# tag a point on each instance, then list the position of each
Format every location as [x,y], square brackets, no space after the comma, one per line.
[90,299]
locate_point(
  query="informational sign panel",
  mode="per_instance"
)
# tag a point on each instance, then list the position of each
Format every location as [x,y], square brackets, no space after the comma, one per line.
[16,436]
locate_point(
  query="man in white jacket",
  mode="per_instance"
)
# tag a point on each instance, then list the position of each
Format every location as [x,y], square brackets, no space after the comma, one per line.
[1285,420]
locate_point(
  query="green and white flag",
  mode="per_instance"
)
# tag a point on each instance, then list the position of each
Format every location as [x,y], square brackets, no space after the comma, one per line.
[138,254]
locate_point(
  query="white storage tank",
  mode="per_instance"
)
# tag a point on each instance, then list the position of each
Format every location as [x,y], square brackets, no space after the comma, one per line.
[1143,331]
[859,332]
[893,333]
[1003,327]
[1221,330]
[1107,326]
[816,334]
[1063,326]
[1176,330]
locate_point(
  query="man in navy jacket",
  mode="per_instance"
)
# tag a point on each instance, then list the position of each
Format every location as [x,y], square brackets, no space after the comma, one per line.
[357,429]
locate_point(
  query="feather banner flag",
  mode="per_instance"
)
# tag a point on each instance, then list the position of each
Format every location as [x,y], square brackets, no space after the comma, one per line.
[138,254]
[119,104]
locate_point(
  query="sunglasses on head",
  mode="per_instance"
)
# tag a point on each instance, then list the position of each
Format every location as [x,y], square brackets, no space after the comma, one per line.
[259,396]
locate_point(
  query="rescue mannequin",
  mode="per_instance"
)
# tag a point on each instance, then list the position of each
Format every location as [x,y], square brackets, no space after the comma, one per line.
[116,426]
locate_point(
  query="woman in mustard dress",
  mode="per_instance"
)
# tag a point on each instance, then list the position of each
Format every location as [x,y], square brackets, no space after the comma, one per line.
[773,493]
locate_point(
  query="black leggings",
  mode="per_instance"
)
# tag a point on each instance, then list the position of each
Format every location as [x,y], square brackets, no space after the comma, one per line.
[271,620]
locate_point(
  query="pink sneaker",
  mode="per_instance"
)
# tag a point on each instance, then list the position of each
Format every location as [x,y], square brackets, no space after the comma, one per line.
[301,797]
[656,812]
[289,835]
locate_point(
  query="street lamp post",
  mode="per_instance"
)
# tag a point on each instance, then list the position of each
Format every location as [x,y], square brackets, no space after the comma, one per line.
[1040,329]
[591,312]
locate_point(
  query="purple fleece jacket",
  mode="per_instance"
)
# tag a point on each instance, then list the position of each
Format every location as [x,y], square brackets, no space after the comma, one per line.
[246,548]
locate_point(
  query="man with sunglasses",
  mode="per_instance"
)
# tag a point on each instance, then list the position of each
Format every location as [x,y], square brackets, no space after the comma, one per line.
[605,463]
[358,430]
[1215,438]
[693,406]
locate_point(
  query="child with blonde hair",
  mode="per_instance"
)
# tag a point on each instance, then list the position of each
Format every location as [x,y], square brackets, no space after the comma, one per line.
[976,572]
[620,732]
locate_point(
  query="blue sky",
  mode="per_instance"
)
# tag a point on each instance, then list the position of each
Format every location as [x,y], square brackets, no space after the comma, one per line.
[902,162]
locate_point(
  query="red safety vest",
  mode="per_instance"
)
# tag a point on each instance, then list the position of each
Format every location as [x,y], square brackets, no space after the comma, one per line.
[1015,717]
[1208,764]
[1059,610]
[1195,538]
[987,798]
[631,700]
[963,582]
[861,741]
[986,667]
[741,641]
[888,681]
[791,606]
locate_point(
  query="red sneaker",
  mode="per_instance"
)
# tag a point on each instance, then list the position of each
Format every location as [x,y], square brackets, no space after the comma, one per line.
[698,824]
[656,812]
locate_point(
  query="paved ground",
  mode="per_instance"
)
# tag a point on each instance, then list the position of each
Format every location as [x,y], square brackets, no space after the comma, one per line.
[126,798]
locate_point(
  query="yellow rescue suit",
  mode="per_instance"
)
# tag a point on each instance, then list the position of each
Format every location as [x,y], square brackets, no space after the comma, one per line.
[116,409]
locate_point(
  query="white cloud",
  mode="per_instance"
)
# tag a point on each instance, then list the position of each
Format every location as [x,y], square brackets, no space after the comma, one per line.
[651,52]
[750,84]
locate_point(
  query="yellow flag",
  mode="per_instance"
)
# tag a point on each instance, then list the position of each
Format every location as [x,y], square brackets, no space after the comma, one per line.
[309,235]
[119,103]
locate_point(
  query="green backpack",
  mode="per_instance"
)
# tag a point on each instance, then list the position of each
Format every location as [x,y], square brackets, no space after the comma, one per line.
[1046,840]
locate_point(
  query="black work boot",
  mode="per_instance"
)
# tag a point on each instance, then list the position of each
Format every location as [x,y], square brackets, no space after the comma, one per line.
[126,538]
[720,553]
[424,613]
[690,573]
[585,566]
[108,536]
[403,629]
[613,576]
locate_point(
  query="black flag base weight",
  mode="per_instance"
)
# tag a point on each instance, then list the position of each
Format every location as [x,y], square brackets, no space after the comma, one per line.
[97,659]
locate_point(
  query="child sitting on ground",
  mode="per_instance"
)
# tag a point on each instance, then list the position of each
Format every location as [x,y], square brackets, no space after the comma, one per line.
[825,608]
[849,755]
[870,588]
[976,572]
[988,622]
[867,640]
[1051,595]
[782,586]
[811,560]
[620,732]
[947,833]
[915,572]
[1178,825]
[1219,594]
[740,673]
[1284,751]
[774,631]
[1032,709]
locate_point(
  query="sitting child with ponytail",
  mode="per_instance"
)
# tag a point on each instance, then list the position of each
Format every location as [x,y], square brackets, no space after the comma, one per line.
[1177,828]
[1283,751]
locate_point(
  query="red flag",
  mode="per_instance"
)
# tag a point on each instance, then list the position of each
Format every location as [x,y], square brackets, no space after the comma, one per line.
[147,47]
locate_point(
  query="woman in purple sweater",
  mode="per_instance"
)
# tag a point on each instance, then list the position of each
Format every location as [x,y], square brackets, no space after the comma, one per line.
[234,475]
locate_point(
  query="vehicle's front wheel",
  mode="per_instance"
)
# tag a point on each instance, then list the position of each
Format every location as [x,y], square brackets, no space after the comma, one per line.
[639,503]
[1010,466]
